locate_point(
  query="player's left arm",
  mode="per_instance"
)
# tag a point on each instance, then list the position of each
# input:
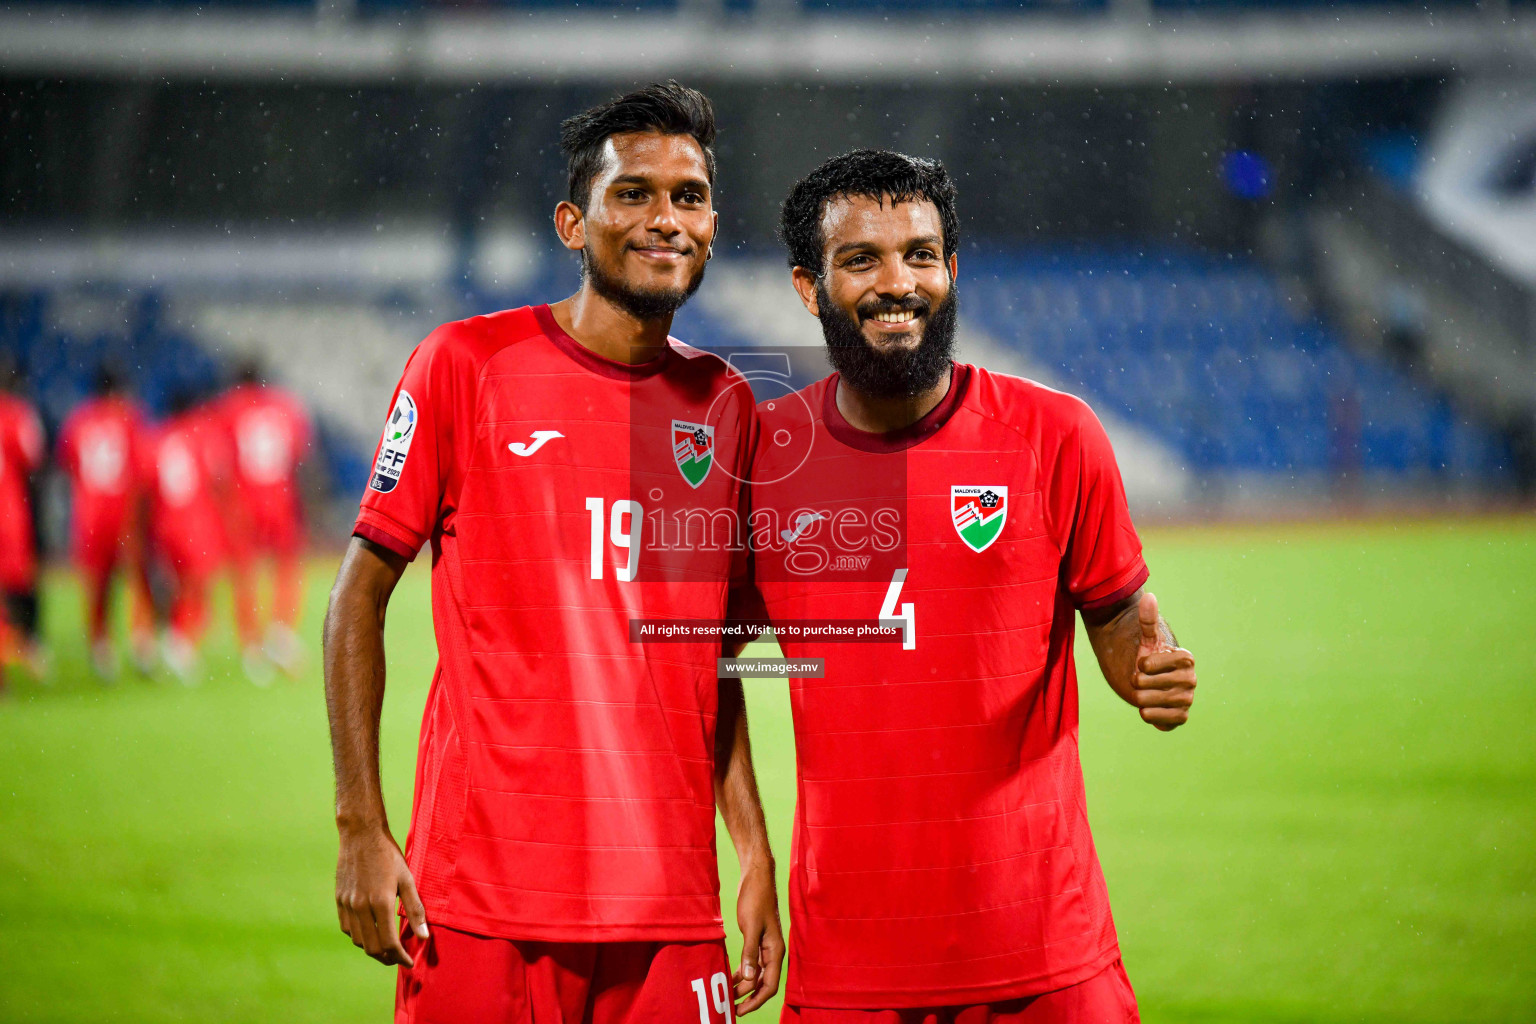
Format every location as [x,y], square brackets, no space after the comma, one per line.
[756,979]
[1141,659]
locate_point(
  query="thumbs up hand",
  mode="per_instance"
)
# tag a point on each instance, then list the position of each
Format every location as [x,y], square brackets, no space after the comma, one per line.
[1164,684]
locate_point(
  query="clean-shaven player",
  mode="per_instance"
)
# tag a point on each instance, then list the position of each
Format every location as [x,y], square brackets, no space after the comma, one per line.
[943,867]
[561,859]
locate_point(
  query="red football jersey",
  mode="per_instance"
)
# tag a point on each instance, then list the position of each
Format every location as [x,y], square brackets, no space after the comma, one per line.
[21,453]
[270,432]
[183,461]
[269,435]
[96,449]
[564,782]
[941,852]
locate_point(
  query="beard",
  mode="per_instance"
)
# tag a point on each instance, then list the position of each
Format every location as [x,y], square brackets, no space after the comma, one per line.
[640,303]
[899,373]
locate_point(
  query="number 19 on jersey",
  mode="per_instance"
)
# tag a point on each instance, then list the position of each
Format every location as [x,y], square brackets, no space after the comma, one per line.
[622,534]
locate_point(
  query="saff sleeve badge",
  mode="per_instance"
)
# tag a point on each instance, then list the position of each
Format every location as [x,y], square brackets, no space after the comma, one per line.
[399,431]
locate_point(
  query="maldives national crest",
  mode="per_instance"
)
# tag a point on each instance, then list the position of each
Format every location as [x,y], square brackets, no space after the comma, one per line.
[979,513]
[693,447]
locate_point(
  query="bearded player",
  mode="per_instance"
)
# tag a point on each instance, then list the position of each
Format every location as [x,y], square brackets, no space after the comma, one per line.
[943,867]
[561,862]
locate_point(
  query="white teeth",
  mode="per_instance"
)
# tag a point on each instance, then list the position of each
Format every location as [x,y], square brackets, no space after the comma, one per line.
[896,318]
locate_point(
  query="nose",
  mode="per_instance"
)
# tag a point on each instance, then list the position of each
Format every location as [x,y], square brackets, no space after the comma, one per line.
[895,280]
[663,218]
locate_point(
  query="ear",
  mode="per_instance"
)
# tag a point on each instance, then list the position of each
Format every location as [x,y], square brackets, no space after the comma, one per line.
[954,267]
[805,285]
[714,233]
[570,225]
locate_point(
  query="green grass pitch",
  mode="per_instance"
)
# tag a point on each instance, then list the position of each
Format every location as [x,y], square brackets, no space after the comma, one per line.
[1345,832]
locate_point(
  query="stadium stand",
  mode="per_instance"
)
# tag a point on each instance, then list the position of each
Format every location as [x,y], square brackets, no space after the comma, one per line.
[1209,354]
[1205,355]
[1424,249]
[1186,357]
[62,338]
[1200,361]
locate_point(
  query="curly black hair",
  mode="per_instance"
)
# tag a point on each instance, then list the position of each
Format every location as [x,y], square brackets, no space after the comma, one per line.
[874,173]
[666,107]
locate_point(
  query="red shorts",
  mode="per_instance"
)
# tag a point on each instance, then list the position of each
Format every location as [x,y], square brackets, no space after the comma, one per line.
[190,560]
[99,534]
[460,978]
[280,533]
[1105,998]
[267,522]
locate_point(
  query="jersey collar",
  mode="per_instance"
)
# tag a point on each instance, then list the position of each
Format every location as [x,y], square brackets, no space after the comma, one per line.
[906,437]
[591,360]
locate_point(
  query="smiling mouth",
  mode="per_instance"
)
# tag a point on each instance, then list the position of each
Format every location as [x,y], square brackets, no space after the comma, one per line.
[901,316]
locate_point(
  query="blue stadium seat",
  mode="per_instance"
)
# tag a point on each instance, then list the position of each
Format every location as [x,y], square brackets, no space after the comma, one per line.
[1206,353]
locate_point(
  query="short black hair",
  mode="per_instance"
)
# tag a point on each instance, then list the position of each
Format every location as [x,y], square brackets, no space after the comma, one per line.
[667,107]
[874,173]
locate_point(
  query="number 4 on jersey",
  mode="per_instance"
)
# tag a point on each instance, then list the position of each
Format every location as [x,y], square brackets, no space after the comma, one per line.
[906,619]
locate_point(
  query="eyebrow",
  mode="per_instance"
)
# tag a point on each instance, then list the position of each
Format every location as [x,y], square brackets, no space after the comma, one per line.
[847,247]
[698,184]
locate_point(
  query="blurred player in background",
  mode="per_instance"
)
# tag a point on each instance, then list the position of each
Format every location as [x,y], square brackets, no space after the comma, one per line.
[563,834]
[943,866]
[184,462]
[269,436]
[21,455]
[97,449]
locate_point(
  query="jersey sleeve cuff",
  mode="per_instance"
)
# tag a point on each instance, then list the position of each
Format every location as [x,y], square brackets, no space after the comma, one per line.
[1139,575]
[371,532]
